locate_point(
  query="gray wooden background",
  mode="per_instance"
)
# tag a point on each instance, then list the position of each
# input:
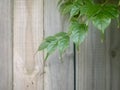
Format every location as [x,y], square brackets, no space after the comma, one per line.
[24,24]
[6,46]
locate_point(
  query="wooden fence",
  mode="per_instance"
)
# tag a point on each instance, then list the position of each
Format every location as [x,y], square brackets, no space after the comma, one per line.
[24,24]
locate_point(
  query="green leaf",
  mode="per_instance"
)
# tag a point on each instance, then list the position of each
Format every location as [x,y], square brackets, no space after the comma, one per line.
[63,44]
[65,8]
[90,9]
[110,11]
[52,46]
[101,22]
[74,25]
[78,32]
[74,11]
[46,42]
[43,45]
[50,38]
[102,19]
[60,34]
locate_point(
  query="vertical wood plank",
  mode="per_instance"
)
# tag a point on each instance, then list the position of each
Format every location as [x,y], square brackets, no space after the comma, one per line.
[84,65]
[93,63]
[58,75]
[6,44]
[108,60]
[28,34]
[115,56]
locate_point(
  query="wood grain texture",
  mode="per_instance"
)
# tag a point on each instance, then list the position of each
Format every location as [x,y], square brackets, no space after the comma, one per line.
[6,45]
[58,75]
[93,63]
[115,56]
[98,64]
[28,34]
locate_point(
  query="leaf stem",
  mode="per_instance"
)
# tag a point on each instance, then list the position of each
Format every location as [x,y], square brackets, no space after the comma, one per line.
[106,1]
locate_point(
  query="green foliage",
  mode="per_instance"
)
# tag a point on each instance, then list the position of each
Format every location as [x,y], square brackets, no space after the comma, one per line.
[59,41]
[80,13]
[78,32]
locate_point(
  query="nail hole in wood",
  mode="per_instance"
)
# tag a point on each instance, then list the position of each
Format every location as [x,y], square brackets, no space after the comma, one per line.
[113,53]
[27,85]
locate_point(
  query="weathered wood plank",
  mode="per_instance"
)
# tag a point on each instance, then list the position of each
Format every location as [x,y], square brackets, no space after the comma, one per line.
[6,45]
[115,57]
[108,60]
[28,34]
[84,65]
[93,63]
[58,75]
